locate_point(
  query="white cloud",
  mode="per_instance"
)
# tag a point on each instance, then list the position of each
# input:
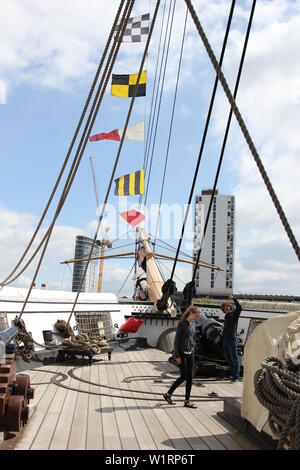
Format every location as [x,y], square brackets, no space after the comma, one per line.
[51,43]
[17,230]
[2,92]
[269,102]
[57,44]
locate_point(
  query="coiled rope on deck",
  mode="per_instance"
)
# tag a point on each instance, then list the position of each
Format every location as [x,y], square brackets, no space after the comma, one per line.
[84,342]
[277,387]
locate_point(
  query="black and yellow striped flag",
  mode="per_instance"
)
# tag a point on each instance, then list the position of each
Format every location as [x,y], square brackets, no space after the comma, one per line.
[123,85]
[131,184]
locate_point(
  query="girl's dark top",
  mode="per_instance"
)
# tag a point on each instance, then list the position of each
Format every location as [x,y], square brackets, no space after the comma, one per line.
[231,321]
[184,338]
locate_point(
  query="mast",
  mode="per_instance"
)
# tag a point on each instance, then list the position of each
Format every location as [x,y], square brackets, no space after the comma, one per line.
[154,279]
[95,183]
[104,241]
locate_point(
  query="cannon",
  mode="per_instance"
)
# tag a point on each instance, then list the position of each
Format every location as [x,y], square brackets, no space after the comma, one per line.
[209,356]
[15,391]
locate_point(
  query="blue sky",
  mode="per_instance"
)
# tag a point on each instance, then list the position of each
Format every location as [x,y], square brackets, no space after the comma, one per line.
[47,71]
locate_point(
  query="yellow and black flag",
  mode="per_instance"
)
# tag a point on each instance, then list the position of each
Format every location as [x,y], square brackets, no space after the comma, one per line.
[123,85]
[131,184]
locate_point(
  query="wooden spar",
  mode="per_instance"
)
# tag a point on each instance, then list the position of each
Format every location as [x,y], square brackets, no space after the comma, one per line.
[101,264]
[202,264]
[132,253]
[154,279]
[104,240]
[93,258]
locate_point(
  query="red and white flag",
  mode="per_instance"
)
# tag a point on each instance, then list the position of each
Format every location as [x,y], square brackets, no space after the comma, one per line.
[133,217]
[136,132]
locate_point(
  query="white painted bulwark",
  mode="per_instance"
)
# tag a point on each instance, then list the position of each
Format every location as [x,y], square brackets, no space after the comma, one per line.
[45,307]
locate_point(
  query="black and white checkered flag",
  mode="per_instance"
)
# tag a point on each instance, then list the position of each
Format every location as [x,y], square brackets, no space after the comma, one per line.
[137,29]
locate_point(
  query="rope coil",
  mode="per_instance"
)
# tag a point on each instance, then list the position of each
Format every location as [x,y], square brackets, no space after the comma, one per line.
[277,388]
[84,342]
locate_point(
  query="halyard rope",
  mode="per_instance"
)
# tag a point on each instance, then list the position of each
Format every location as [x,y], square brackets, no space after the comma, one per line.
[244,129]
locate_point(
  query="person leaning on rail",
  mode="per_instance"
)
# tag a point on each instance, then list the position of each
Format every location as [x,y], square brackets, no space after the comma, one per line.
[232,314]
[184,354]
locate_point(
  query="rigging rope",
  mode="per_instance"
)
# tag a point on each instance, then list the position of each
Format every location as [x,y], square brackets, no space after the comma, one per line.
[127,277]
[154,84]
[170,247]
[225,138]
[171,126]
[119,149]
[71,176]
[203,138]
[175,275]
[152,98]
[84,139]
[245,131]
[7,279]
[159,103]
[151,124]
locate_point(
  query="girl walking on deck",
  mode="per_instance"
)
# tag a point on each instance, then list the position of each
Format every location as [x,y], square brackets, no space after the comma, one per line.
[184,354]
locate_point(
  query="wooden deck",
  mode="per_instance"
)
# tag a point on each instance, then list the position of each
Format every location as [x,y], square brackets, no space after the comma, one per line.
[117,417]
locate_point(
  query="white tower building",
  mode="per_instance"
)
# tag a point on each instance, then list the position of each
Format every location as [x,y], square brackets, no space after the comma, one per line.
[218,246]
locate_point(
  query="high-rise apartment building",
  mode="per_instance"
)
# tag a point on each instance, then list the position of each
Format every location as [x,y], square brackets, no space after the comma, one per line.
[82,250]
[218,246]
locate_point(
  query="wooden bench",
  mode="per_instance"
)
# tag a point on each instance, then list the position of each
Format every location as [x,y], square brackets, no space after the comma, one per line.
[72,352]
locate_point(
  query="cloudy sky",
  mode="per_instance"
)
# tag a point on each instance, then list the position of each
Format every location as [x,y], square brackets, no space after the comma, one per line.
[49,51]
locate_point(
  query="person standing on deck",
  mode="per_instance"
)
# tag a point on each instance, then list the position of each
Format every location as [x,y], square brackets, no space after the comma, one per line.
[184,354]
[232,314]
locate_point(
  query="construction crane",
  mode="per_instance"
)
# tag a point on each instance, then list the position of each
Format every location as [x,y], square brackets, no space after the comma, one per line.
[104,241]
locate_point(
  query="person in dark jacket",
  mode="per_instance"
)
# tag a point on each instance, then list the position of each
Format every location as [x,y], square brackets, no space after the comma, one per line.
[232,314]
[184,354]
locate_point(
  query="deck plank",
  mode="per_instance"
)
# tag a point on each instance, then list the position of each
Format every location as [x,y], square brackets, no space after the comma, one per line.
[142,433]
[245,442]
[44,435]
[63,428]
[111,434]
[77,439]
[43,400]
[126,430]
[171,428]
[69,419]
[204,412]
[197,434]
[155,428]
[94,436]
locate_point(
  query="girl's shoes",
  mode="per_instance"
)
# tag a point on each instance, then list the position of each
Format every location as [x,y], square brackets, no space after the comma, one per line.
[168,399]
[189,404]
